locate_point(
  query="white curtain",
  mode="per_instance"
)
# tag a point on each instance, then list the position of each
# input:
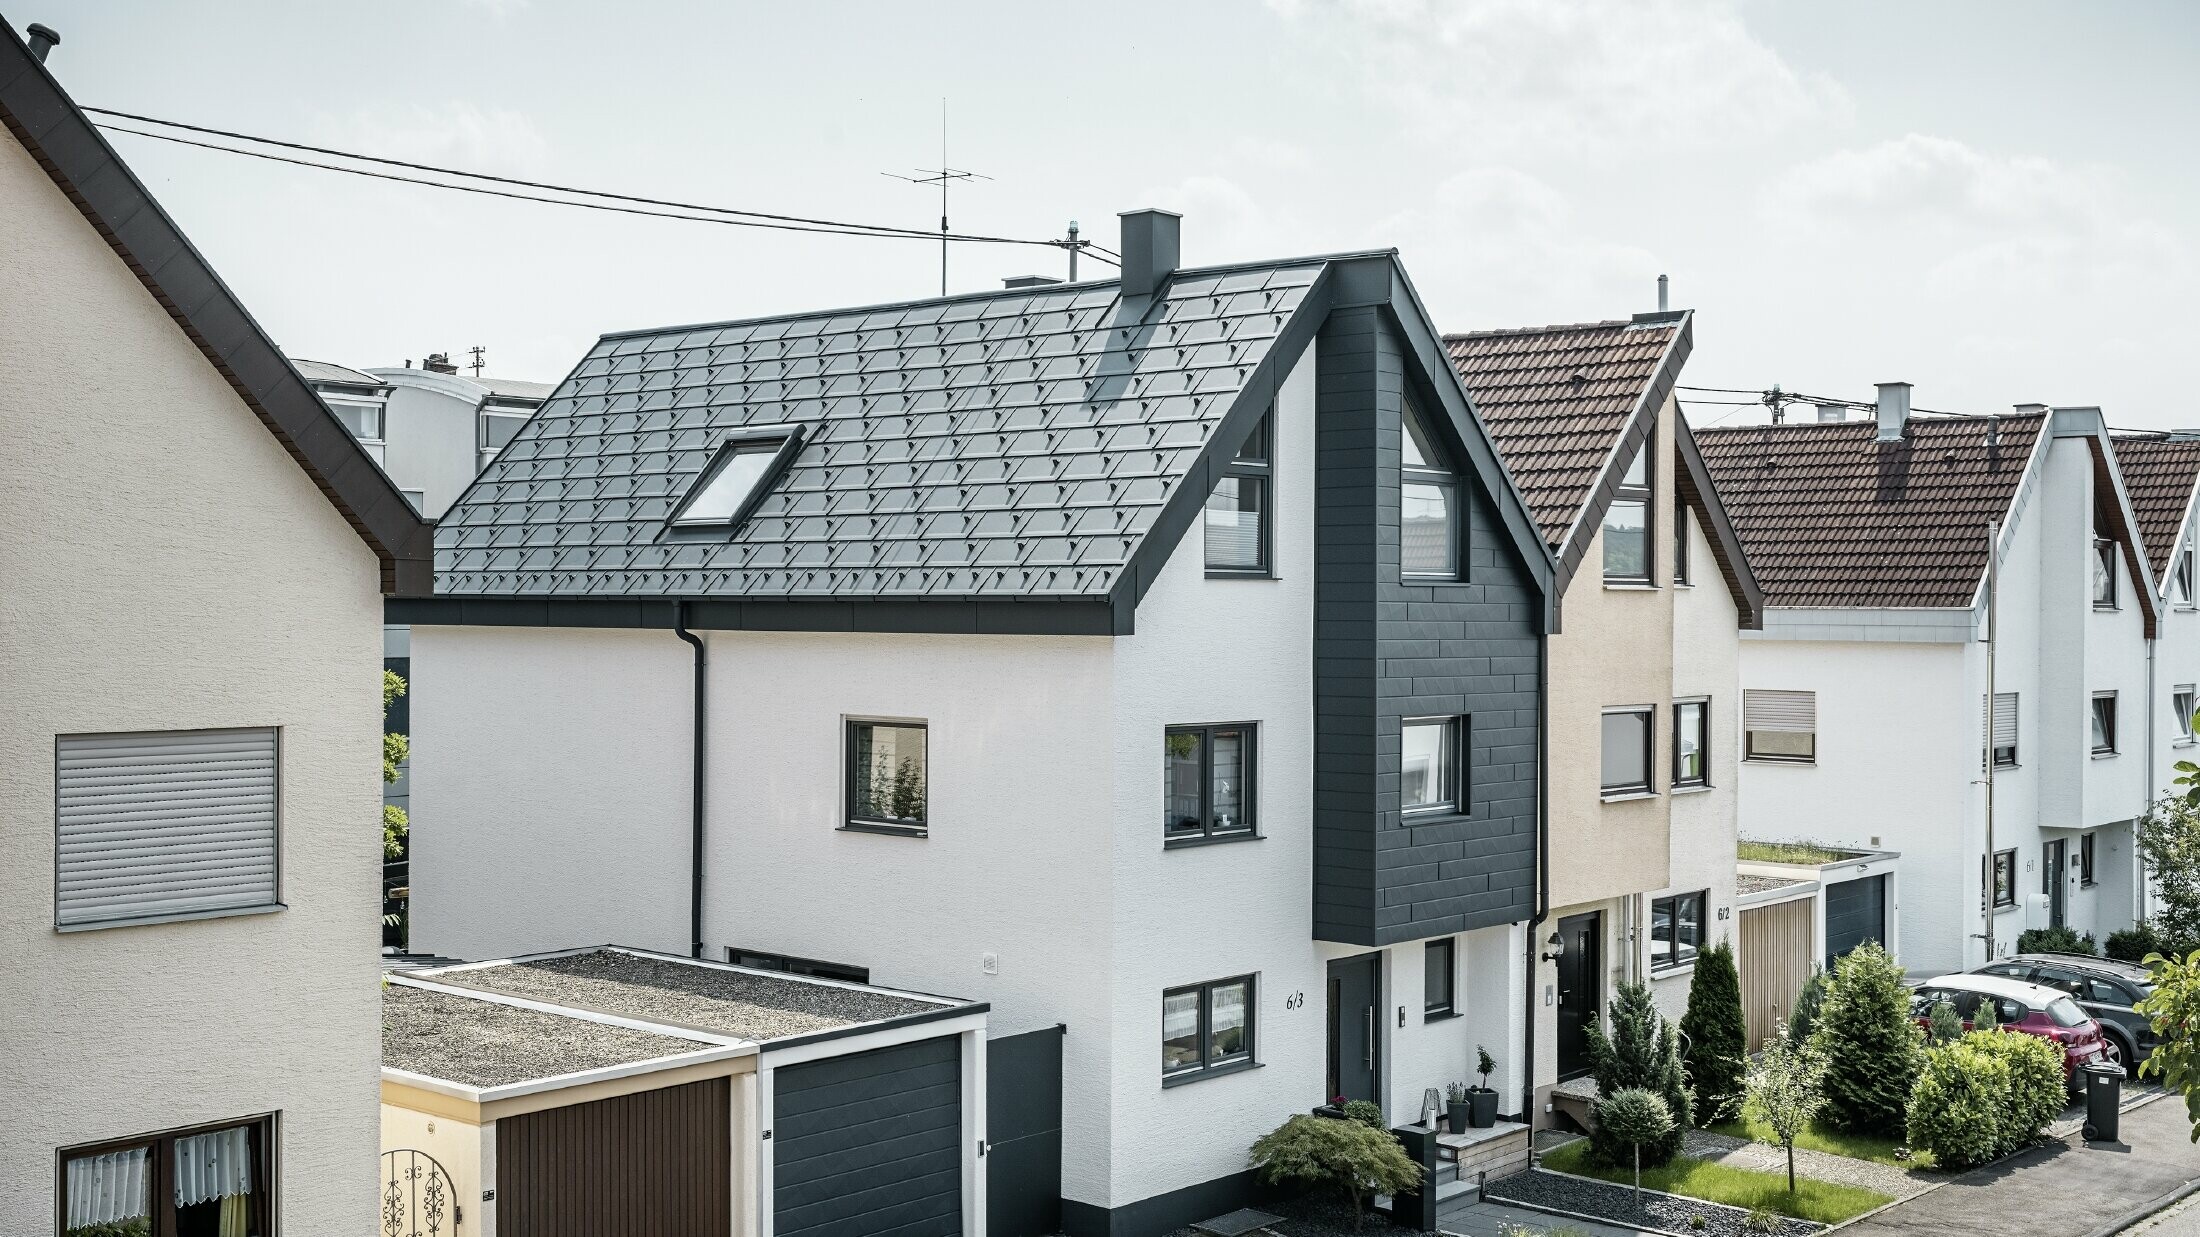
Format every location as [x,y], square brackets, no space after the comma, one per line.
[215,1165]
[104,1189]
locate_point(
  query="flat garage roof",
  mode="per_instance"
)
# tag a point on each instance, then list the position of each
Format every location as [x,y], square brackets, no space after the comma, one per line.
[481,1043]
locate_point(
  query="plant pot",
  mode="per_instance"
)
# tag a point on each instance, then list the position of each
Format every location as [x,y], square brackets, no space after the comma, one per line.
[1459,1113]
[1483,1105]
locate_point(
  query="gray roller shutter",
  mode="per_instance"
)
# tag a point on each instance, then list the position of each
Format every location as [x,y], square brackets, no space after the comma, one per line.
[163,823]
[1786,711]
[870,1144]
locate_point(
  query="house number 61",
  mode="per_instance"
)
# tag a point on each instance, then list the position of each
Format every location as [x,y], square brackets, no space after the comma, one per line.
[1295,1001]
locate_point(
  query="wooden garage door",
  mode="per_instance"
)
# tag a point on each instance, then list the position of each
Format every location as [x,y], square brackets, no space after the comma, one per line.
[870,1144]
[1856,912]
[1775,960]
[656,1162]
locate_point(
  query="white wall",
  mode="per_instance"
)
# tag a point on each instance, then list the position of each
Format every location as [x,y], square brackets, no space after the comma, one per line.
[430,434]
[169,566]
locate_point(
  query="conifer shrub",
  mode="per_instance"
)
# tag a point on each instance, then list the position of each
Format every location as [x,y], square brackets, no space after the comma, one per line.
[1641,1051]
[1808,1001]
[1869,1043]
[1717,1036]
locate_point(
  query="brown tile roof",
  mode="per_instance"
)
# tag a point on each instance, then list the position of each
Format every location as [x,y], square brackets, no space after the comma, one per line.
[2158,475]
[1556,398]
[1829,517]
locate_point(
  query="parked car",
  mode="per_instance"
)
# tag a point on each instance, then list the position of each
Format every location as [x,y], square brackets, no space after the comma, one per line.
[2102,987]
[2031,1008]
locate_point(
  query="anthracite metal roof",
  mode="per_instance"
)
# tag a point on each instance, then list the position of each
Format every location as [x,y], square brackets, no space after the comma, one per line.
[1013,444]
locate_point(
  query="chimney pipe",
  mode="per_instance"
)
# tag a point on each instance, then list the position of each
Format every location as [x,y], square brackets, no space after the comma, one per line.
[1894,410]
[439,363]
[1661,294]
[1152,247]
[42,39]
[1830,413]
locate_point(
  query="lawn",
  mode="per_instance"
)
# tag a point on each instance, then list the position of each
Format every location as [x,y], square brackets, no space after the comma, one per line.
[1822,1201]
[1831,1141]
[1790,852]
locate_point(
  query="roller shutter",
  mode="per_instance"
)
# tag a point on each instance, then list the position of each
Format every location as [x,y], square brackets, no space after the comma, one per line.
[163,823]
[1790,712]
[654,1164]
[870,1144]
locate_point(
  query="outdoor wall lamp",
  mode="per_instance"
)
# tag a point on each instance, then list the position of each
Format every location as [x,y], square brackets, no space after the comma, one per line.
[1555,948]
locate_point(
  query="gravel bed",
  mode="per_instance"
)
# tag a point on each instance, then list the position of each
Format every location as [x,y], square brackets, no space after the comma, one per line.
[1614,1204]
[757,1007]
[484,1044]
[1888,1179]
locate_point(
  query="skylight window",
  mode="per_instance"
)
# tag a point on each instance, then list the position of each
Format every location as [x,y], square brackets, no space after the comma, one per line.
[736,480]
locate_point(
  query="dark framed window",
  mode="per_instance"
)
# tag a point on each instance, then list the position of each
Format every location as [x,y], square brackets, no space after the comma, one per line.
[203,1180]
[2180,579]
[1432,762]
[1206,1029]
[2181,707]
[1237,516]
[1626,755]
[738,476]
[2104,573]
[1428,505]
[2001,721]
[1676,928]
[1438,959]
[887,790]
[1628,528]
[2104,723]
[1691,743]
[1780,726]
[758,960]
[1208,782]
[2005,878]
[2085,859]
[1680,544]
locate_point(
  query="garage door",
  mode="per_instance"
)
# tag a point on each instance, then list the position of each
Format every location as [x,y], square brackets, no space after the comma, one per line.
[870,1144]
[1856,912]
[657,1162]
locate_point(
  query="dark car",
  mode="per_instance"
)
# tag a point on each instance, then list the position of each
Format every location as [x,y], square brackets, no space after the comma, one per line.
[2103,987]
[2033,1009]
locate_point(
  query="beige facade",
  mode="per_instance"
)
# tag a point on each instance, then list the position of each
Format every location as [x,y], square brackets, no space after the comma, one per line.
[169,566]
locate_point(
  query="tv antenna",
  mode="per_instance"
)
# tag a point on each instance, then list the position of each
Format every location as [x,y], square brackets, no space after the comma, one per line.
[477,351]
[943,176]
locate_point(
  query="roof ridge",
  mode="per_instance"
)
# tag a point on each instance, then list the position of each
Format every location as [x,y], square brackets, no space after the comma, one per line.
[1916,418]
[1497,332]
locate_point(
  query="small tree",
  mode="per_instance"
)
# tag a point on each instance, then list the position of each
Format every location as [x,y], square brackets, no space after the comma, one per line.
[396,750]
[1635,1116]
[1943,1024]
[1869,1043]
[1352,1158]
[2169,847]
[1642,1051]
[1717,1036]
[1786,1088]
[1484,1064]
[2174,1010]
[1808,1002]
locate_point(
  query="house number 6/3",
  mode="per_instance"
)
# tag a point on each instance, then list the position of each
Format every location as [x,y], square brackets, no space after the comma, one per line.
[1296,1000]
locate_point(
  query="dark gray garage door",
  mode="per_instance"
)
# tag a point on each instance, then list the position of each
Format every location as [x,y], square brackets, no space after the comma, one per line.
[1856,912]
[870,1144]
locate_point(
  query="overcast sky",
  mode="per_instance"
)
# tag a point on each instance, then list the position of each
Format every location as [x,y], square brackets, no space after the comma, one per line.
[1995,200]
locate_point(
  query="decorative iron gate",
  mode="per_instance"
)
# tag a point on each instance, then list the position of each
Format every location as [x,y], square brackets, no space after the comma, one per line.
[417,1197]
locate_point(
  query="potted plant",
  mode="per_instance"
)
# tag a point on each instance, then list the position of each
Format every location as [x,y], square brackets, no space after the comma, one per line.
[1481,1101]
[1457,1107]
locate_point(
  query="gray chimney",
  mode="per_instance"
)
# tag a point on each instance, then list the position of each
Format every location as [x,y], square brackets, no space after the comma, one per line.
[42,39]
[2030,410]
[1028,281]
[1894,410]
[1661,294]
[2184,435]
[1829,413]
[1151,249]
[439,363]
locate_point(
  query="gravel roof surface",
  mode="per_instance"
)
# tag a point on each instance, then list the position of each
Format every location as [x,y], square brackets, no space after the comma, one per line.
[485,1044]
[757,1007]
[1746,883]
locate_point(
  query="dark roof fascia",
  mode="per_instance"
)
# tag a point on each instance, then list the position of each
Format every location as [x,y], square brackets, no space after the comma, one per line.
[967,616]
[1640,430]
[2087,423]
[1702,495]
[64,142]
[1426,345]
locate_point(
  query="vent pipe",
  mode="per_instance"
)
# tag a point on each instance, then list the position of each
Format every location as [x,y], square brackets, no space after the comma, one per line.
[1894,410]
[42,39]
[1661,293]
[1152,247]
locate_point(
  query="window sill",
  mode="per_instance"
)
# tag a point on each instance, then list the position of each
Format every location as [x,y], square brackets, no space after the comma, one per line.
[1414,820]
[1672,970]
[2183,742]
[2106,755]
[1434,581]
[892,831]
[1627,796]
[1693,788]
[1629,586]
[1240,573]
[1191,841]
[1441,1015]
[230,912]
[1202,1075]
[2086,884]
[1775,760]
[2098,608]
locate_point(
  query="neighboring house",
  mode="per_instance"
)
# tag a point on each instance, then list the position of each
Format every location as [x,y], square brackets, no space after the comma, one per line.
[1654,589]
[1866,696]
[195,558]
[2162,474]
[1023,645]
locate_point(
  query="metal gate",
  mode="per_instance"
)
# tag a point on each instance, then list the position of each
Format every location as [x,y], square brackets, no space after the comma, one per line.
[417,1197]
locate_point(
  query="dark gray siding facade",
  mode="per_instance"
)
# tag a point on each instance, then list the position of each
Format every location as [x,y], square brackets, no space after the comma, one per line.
[1386,650]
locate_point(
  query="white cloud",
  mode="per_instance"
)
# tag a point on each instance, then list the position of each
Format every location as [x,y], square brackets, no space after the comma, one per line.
[457,134]
[1579,75]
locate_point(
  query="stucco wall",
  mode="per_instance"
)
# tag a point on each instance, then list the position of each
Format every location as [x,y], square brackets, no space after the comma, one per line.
[169,566]
[455,1145]
[431,435]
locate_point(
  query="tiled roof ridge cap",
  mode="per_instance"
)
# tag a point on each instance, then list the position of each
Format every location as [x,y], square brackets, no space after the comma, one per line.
[1867,423]
[1500,332]
[991,294]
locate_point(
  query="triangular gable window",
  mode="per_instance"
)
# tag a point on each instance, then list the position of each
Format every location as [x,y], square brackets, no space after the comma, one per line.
[737,479]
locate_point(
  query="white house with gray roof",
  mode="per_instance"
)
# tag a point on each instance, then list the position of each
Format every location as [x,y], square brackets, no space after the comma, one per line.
[1088,650]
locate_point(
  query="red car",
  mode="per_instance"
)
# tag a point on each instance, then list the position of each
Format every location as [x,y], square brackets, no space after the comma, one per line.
[2031,1008]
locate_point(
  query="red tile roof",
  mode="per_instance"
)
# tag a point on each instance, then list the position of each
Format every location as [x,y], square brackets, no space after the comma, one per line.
[2159,472]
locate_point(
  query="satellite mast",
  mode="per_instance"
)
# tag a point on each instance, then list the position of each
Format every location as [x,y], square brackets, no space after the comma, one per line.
[943,176]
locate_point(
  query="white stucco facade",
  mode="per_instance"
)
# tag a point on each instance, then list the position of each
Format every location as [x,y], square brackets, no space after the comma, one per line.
[170,567]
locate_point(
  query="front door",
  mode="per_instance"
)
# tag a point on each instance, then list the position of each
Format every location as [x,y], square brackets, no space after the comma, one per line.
[2051,878]
[1580,995]
[1353,994]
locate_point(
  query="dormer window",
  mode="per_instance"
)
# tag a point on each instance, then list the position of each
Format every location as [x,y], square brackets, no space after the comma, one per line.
[737,479]
[1627,528]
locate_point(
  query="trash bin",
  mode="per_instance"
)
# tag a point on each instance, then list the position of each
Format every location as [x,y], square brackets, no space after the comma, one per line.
[2104,1093]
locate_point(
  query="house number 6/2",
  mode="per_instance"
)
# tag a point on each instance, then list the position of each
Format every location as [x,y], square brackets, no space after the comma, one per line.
[1296,1000]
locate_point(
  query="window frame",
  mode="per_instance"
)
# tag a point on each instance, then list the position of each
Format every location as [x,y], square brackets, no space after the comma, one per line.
[1259,469]
[2085,859]
[1682,559]
[1433,1010]
[2104,573]
[264,1139]
[849,820]
[1702,780]
[1250,826]
[1209,1067]
[1749,733]
[1646,495]
[1439,476]
[784,443]
[2181,714]
[2109,728]
[2181,579]
[1461,801]
[379,408]
[1648,786]
[1674,960]
[2005,890]
[765,960]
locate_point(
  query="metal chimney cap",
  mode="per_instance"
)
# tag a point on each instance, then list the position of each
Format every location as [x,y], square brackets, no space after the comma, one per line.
[42,39]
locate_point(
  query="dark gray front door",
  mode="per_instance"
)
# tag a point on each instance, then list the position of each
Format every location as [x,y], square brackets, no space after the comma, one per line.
[1353,1034]
[1856,912]
[869,1143]
[1580,998]
[2051,880]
